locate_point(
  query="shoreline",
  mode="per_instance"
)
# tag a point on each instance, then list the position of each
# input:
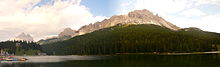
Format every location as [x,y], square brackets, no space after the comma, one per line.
[150,53]
[54,58]
[170,53]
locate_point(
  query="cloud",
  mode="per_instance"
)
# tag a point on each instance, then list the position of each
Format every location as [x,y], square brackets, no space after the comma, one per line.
[201,2]
[164,7]
[43,20]
[192,12]
[207,23]
[183,13]
[160,7]
[210,23]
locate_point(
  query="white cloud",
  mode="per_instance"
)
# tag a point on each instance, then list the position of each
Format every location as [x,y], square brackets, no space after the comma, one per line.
[183,13]
[200,2]
[210,23]
[207,23]
[192,12]
[161,6]
[124,6]
[24,16]
[99,18]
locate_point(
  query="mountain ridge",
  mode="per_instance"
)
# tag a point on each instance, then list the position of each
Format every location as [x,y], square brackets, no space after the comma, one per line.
[134,17]
[66,34]
[131,38]
[24,37]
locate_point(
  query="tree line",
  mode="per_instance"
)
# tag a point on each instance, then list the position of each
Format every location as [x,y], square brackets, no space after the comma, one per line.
[136,39]
[20,47]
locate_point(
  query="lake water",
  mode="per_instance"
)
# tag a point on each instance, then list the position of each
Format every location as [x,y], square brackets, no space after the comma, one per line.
[134,60]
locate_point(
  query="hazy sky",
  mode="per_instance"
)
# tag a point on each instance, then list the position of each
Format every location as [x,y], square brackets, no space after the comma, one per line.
[42,18]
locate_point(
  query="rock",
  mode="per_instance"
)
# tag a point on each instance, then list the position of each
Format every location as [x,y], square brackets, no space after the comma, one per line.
[67,32]
[135,17]
[24,37]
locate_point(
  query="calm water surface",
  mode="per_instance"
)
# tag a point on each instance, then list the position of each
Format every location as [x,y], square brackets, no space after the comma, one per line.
[135,60]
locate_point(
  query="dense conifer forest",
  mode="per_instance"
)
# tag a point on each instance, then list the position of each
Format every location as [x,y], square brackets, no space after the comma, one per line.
[20,47]
[136,39]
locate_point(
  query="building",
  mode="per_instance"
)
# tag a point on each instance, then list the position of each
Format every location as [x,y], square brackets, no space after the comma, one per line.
[3,53]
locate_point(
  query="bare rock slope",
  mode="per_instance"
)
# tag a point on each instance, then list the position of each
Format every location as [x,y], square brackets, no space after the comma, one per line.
[24,37]
[67,32]
[135,17]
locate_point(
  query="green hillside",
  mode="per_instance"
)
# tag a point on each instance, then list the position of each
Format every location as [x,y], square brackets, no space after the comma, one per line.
[135,39]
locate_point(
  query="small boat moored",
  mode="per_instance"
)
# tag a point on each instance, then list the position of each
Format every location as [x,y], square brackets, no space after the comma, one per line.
[11,58]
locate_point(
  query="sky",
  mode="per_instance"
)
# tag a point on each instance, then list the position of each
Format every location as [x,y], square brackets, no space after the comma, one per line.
[44,18]
[101,7]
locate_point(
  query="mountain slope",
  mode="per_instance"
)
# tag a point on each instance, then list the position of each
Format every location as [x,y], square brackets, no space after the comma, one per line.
[135,39]
[66,34]
[24,37]
[134,17]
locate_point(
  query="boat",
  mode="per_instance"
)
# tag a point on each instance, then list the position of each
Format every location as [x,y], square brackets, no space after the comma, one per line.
[22,59]
[11,58]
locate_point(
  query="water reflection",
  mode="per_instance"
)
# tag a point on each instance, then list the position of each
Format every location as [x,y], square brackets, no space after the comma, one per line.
[206,60]
[168,61]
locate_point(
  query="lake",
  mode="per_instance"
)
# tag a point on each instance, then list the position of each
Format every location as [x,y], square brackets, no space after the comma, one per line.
[129,60]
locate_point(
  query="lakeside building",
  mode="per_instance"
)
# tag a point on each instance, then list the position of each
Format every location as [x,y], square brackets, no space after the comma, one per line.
[3,53]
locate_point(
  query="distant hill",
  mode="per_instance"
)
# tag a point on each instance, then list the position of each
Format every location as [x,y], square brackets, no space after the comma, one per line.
[66,34]
[133,38]
[53,40]
[24,37]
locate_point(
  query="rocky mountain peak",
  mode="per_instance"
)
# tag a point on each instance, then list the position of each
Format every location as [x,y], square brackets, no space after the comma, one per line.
[25,37]
[140,14]
[134,17]
[67,29]
[67,32]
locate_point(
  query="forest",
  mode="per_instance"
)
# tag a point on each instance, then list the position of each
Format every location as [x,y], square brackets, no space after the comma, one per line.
[143,38]
[20,47]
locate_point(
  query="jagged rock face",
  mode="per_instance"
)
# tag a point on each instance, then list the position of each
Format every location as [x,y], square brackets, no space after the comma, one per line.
[135,17]
[67,32]
[24,37]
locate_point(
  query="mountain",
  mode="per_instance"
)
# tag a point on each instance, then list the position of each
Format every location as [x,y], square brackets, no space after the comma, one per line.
[133,38]
[24,37]
[67,33]
[191,29]
[135,17]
